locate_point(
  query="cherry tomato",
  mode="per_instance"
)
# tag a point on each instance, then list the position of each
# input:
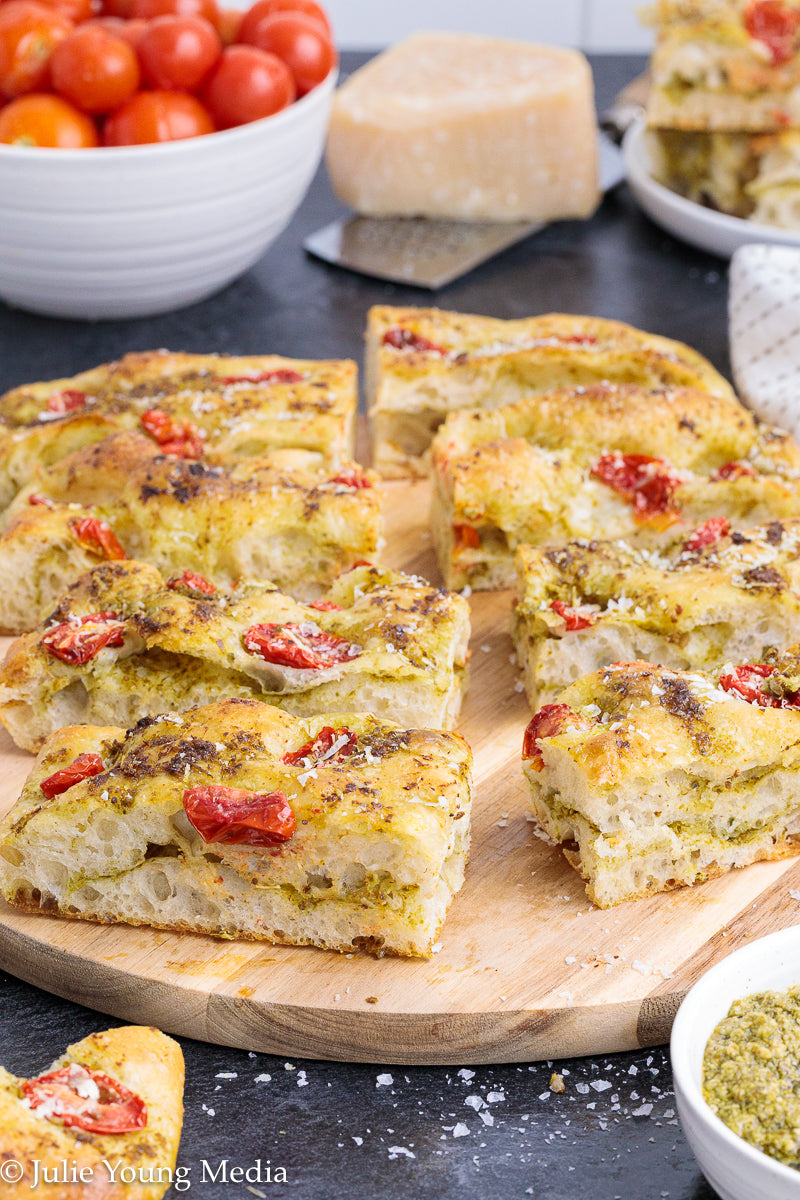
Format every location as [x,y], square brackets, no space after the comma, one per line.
[267,8]
[400,338]
[74,10]
[775,25]
[39,119]
[732,470]
[179,438]
[647,483]
[191,584]
[178,52]
[86,1099]
[181,8]
[230,22]
[235,816]
[29,32]
[79,769]
[97,536]
[78,640]
[549,721]
[128,30]
[117,8]
[70,400]
[329,746]
[94,69]
[574,618]
[293,645]
[708,533]
[281,375]
[156,117]
[300,42]
[247,84]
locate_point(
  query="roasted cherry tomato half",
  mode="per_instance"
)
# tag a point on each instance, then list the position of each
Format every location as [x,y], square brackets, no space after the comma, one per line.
[85,1099]
[235,816]
[83,767]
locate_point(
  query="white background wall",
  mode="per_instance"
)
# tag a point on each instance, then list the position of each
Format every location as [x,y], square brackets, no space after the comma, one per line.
[598,25]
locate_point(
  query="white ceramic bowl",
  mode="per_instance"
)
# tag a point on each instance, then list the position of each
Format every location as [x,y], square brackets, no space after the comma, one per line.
[734,1168]
[691,222]
[132,231]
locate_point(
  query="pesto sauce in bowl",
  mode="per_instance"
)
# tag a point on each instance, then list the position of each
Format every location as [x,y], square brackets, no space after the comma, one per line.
[751,1073]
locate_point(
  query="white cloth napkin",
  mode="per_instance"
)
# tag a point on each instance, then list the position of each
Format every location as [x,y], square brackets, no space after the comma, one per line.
[764,328]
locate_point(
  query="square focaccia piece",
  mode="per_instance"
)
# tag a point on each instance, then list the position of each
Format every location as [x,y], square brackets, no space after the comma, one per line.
[600,462]
[279,519]
[719,594]
[422,363]
[124,643]
[652,779]
[191,405]
[107,1113]
[725,65]
[240,820]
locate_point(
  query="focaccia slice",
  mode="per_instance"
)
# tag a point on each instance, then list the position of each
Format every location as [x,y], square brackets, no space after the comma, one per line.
[725,65]
[193,405]
[359,828]
[277,519]
[718,594]
[379,642]
[422,363]
[60,1161]
[600,462]
[652,779]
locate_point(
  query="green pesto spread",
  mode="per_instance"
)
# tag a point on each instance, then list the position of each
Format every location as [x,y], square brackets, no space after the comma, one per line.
[751,1072]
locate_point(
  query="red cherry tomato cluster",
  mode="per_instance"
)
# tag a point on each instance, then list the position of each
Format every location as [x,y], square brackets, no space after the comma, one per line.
[82,73]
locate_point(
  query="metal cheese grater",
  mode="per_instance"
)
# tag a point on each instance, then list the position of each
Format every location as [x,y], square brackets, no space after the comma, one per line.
[428,253]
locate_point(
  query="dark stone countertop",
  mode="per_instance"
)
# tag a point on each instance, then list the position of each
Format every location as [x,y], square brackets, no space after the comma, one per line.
[491,1133]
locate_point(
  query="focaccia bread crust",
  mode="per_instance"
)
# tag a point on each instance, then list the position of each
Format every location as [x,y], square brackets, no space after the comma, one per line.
[652,779]
[234,407]
[399,651]
[276,519]
[381,829]
[715,596]
[144,1061]
[711,71]
[448,361]
[552,468]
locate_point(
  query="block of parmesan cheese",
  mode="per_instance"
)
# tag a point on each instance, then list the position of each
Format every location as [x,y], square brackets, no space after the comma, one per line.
[467,128]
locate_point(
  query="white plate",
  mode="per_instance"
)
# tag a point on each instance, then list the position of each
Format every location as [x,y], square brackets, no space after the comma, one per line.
[735,1169]
[693,223]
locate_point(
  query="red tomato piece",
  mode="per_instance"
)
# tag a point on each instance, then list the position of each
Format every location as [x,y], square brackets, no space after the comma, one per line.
[708,533]
[329,746]
[81,768]
[29,32]
[94,70]
[157,116]
[246,85]
[70,400]
[179,438]
[38,119]
[178,52]
[181,8]
[647,483]
[466,538]
[747,681]
[97,536]
[86,1099]
[191,582]
[267,8]
[38,498]
[775,25]
[237,817]
[550,720]
[574,618]
[579,339]
[351,479]
[400,338]
[281,375]
[304,647]
[325,606]
[78,640]
[733,470]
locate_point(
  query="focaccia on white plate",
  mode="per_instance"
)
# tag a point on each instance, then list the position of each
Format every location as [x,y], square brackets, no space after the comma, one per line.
[423,363]
[600,462]
[130,1078]
[716,595]
[124,643]
[191,405]
[652,779]
[281,519]
[240,820]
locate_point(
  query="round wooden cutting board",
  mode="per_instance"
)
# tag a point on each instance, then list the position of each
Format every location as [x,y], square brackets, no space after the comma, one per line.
[526,968]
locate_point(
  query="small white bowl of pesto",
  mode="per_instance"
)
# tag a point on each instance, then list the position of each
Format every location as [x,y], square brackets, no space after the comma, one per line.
[735,1052]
